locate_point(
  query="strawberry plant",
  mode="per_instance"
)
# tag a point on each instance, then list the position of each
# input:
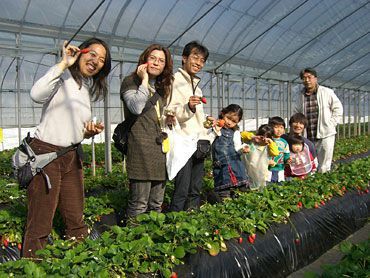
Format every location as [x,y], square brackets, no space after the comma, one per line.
[355,263]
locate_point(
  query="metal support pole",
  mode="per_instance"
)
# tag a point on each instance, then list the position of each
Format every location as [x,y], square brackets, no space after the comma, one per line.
[243,101]
[354,114]
[228,89]
[280,102]
[368,113]
[122,109]
[211,93]
[359,112]
[107,135]
[344,114]
[349,115]
[289,110]
[257,108]
[222,91]
[269,97]
[218,92]
[19,110]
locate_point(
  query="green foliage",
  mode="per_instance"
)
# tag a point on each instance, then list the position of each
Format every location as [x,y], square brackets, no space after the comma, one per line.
[350,146]
[355,263]
[156,242]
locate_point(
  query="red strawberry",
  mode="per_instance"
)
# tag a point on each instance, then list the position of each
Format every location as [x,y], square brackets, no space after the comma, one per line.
[85,50]
[6,242]
[299,205]
[253,236]
[221,123]
[19,246]
[297,241]
[367,191]
[251,239]
[240,240]
[316,205]
[217,232]
[173,275]
[343,188]
[204,100]
[322,202]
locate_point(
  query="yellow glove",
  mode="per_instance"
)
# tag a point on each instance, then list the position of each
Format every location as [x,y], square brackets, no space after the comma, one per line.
[246,136]
[273,149]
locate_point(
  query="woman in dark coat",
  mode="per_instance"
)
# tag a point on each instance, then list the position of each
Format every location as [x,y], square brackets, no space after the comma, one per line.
[146,159]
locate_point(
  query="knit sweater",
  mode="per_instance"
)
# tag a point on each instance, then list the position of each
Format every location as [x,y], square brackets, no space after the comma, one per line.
[66,107]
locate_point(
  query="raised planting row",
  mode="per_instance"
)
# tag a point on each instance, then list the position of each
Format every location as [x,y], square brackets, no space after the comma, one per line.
[156,242]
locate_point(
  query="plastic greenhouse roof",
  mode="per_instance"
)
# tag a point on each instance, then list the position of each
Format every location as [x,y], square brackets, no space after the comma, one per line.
[255,38]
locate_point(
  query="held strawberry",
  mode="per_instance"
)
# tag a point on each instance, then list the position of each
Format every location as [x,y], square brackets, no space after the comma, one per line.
[221,123]
[203,99]
[85,50]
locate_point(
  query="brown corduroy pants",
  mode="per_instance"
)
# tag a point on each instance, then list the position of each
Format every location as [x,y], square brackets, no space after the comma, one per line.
[66,194]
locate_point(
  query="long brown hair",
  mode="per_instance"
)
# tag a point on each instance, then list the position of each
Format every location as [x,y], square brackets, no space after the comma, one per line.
[100,87]
[163,81]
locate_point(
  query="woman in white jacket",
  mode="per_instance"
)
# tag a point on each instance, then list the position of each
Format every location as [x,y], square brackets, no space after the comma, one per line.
[323,110]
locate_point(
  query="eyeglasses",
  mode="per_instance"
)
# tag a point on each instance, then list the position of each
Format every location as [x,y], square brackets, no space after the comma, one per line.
[197,58]
[95,55]
[154,59]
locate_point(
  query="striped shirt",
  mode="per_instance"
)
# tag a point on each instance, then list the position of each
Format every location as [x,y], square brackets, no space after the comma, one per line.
[312,114]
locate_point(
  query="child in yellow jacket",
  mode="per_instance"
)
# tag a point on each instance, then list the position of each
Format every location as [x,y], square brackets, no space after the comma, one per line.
[261,149]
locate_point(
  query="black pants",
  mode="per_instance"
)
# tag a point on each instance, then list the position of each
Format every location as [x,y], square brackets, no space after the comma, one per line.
[188,183]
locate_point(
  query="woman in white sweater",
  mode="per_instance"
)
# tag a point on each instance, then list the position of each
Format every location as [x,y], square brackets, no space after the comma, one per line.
[65,91]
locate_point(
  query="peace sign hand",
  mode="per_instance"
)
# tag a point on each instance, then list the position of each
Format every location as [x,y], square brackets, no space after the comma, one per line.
[70,55]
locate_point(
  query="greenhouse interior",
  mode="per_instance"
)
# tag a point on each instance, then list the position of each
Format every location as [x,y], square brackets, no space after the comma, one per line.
[257,49]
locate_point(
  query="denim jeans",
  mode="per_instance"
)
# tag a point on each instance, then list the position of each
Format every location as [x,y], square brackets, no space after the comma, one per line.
[145,196]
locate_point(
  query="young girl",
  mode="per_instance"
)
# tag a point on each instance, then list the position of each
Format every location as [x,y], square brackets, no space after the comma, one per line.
[228,169]
[262,148]
[301,162]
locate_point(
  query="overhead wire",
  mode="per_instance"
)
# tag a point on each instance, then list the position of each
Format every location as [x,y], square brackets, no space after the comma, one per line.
[336,52]
[195,22]
[260,35]
[314,38]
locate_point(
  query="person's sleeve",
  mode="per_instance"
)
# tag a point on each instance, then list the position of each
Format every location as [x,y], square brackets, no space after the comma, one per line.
[311,147]
[314,162]
[135,100]
[212,134]
[179,104]
[238,145]
[298,104]
[273,149]
[286,153]
[47,85]
[246,136]
[336,108]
